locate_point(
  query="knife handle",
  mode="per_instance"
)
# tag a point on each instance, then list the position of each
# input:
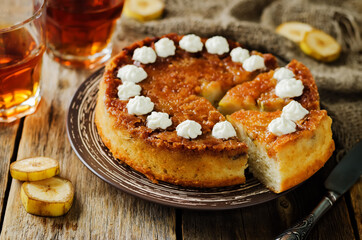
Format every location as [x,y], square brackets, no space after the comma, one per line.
[301,230]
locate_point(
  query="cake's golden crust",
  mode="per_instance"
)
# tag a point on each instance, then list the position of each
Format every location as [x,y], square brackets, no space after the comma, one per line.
[182,167]
[304,155]
[307,171]
[297,155]
[174,85]
[256,124]
[259,94]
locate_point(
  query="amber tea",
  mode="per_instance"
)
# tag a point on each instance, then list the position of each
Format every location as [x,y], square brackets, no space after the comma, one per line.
[22,44]
[79,32]
[20,69]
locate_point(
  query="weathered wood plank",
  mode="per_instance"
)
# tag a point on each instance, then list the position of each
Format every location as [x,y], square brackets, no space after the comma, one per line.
[7,139]
[356,199]
[99,211]
[267,220]
[212,225]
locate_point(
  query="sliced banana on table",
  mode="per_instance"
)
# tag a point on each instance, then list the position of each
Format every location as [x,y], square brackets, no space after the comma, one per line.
[294,31]
[320,46]
[144,10]
[34,169]
[312,42]
[51,197]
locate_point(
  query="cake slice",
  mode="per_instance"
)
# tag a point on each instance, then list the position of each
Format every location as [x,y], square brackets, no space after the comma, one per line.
[282,162]
[259,94]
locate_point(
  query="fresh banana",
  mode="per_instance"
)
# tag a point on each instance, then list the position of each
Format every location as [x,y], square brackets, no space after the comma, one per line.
[320,46]
[34,169]
[143,10]
[312,42]
[294,31]
[51,197]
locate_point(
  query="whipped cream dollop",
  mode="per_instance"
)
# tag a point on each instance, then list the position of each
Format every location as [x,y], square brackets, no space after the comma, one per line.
[165,47]
[239,54]
[281,126]
[217,45]
[144,55]
[223,130]
[131,73]
[294,111]
[191,43]
[288,88]
[128,90]
[189,129]
[283,73]
[158,120]
[140,105]
[253,63]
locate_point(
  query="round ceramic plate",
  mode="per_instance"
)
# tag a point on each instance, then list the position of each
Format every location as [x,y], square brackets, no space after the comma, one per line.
[87,144]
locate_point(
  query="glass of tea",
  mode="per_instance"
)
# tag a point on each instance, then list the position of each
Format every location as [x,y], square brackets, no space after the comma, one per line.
[22,44]
[79,31]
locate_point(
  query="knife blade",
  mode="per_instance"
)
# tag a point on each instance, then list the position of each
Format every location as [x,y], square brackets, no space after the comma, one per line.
[347,172]
[342,177]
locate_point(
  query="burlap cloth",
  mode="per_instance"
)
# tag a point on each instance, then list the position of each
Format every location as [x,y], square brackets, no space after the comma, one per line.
[252,23]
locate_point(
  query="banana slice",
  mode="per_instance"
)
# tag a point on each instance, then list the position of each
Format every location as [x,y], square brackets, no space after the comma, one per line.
[294,31]
[34,169]
[51,197]
[144,10]
[320,46]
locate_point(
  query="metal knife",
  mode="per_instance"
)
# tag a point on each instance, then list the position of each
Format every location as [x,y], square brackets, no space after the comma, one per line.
[343,176]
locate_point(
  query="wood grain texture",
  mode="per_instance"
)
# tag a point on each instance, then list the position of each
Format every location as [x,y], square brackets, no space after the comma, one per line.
[99,210]
[212,225]
[267,220]
[356,199]
[7,140]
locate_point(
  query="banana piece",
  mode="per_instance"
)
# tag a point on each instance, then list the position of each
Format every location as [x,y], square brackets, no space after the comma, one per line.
[144,10]
[320,46]
[34,169]
[51,197]
[294,31]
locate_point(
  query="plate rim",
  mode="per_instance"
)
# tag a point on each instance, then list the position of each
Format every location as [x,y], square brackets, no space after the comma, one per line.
[269,195]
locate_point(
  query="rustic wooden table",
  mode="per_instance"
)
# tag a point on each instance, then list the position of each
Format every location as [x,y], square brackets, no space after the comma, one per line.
[101,211]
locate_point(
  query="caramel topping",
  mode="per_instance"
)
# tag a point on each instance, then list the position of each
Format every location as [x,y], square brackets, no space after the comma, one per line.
[259,94]
[256,124]
[174,85]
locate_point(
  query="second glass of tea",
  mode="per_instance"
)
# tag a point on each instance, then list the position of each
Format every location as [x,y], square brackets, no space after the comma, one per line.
[79,31]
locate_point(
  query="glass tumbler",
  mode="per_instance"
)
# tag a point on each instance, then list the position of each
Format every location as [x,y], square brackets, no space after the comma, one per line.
[79,31]
[22,44]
